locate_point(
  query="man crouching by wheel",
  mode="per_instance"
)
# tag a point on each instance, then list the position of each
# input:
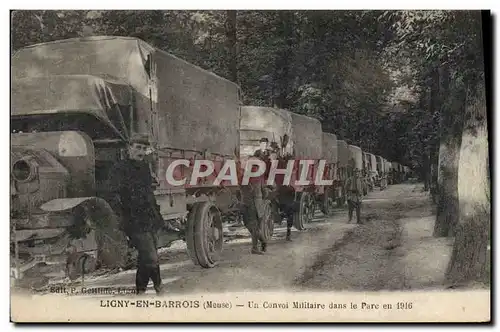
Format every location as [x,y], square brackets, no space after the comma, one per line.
[132,185]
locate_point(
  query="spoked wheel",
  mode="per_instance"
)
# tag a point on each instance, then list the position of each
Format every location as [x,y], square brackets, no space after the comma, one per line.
[328,201]
[267,225]
[204,235]
[341,198]
[311,208]
[276,215]
[300,216]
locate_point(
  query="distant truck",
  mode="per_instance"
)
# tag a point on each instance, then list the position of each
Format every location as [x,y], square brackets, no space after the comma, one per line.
[343,169]
[373,174]
[307,140]
[75,104]
[357,160]
[330,155]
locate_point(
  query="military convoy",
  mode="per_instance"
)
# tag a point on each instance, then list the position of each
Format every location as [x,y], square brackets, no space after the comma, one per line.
[75,105]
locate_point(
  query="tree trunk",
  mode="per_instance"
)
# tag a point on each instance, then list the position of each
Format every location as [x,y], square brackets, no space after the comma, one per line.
[447,213]
[434,161]
[232,64]
[470,259]
[426,172]
[449,154]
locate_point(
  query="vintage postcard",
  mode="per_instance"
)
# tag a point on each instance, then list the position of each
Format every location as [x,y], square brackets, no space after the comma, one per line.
[250,166]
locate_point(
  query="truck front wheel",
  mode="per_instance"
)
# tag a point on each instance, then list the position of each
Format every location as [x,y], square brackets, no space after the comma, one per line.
[204,236]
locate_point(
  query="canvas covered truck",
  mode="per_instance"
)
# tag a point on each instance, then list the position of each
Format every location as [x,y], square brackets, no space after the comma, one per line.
[343,170]
[75,104]
[388,171]
[307,140]
[406,173]
[381,167]
[330,155]
[275,125]
[356,158]
[396,173]
[373,169]
[365,172]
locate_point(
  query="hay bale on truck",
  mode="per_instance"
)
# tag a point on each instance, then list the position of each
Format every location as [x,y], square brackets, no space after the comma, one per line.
[275,125]
[88,96]
[307,138]
[330,155]
[342,169]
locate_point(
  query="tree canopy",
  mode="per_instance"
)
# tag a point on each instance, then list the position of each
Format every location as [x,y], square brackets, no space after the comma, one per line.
[366,75]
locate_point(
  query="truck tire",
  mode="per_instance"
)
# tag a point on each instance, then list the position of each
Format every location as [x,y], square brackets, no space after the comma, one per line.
[267,225]
[204,234]
[301,214]
[327,202]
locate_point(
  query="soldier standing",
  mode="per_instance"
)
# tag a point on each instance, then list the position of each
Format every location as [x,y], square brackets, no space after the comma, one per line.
[132,186]
[354,188]
[253,196]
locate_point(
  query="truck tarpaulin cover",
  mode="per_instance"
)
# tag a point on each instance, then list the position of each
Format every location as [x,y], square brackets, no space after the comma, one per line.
[357,156]
[188,102]
[343,153]
[74,93]
[258,122]
[380,163]
[307,136]
[330,151]
[373,162]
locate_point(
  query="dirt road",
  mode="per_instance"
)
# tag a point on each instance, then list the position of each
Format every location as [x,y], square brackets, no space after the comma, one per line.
[329,255]
[392,250]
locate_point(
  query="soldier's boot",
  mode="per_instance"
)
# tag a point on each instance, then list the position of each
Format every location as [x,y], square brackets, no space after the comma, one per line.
[255,246]
[156,277]
[263,246]
[141,279]
[288,234]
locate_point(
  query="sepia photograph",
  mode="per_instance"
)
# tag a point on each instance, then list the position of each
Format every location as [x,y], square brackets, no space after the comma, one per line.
[250,165]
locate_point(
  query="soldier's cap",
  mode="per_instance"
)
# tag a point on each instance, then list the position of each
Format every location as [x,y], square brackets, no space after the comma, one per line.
[139,138]
[264,140]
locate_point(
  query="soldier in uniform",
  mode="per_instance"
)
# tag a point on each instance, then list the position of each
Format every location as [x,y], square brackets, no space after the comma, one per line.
[132,187]
[253,196]
[354,187]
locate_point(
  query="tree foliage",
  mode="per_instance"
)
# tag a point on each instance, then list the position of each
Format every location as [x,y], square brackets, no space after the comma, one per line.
[364,74]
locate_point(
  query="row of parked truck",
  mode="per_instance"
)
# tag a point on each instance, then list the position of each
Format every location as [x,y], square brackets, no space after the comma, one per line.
[75,104]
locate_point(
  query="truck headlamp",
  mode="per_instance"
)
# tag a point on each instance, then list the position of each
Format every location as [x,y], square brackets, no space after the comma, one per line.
[24,169]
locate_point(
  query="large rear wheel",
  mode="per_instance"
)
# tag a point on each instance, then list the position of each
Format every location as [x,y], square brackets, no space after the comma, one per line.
[301,215]
[267,225]
[328,201]
[204,235]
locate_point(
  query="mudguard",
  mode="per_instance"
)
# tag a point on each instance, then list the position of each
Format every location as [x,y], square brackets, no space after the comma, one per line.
[64,204]
[111,240]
